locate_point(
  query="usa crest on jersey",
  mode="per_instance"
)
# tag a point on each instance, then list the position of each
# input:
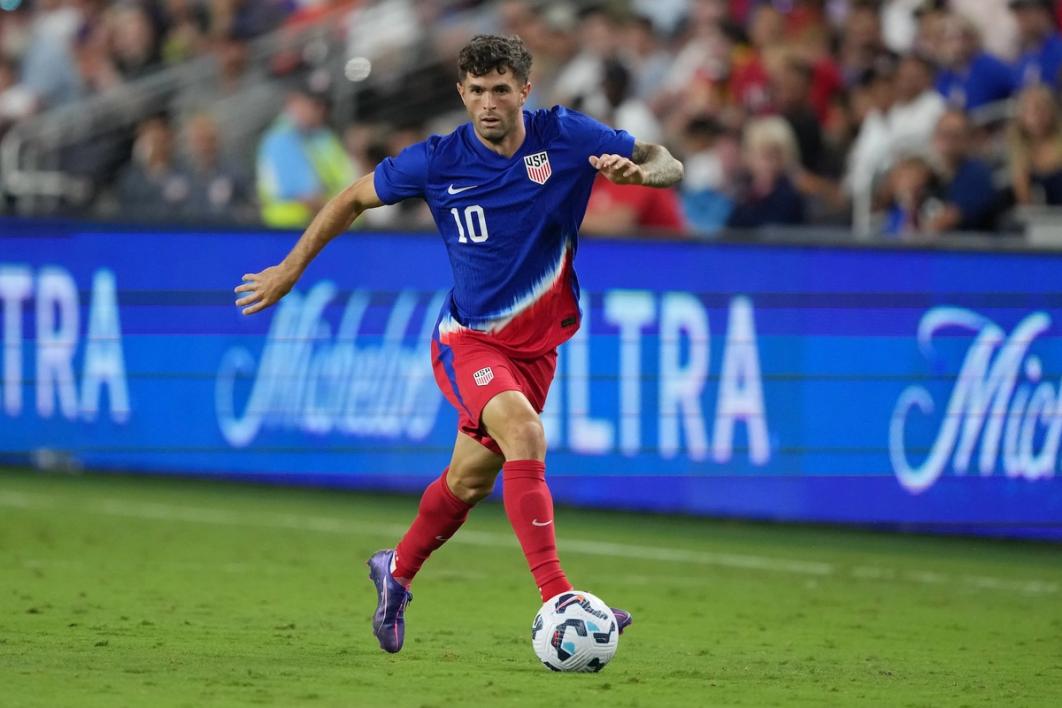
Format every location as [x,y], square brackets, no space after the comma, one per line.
[538,169]
[484,376]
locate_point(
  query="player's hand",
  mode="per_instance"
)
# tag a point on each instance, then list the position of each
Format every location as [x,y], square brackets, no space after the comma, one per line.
[618,169]
[265,288]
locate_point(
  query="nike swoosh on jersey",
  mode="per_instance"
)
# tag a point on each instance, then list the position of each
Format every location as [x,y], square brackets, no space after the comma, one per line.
[457,190]
[536,522]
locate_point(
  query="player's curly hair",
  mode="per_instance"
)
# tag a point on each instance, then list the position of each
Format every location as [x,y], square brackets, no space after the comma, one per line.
[487,52]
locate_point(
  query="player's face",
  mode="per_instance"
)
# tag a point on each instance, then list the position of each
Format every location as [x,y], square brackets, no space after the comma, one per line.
[494,102]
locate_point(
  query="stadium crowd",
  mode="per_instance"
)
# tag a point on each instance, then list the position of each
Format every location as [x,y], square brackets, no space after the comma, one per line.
[934,115]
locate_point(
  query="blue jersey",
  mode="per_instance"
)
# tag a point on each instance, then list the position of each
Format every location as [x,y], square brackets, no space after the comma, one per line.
[986,80]
[510,224]
[1040,65]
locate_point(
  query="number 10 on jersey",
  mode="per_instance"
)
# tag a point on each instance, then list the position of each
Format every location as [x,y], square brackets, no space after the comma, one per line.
[475,220]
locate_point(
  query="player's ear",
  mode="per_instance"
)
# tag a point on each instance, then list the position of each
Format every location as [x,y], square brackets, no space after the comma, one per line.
[524,92]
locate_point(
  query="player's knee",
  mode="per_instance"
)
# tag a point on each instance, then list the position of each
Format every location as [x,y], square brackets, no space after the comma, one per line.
[525,439]
[470,488]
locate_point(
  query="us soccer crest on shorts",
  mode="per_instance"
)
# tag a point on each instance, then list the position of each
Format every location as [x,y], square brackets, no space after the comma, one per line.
[538,169]
[484,376]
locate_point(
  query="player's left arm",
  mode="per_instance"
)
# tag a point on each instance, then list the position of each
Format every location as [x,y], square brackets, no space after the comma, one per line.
[649,164]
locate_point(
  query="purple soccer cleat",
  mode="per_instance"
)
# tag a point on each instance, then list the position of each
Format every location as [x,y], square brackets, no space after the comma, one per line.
[623,619]
[388,623]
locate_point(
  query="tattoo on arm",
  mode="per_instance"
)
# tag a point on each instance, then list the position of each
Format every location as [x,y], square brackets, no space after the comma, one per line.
[660,167]
[641,152]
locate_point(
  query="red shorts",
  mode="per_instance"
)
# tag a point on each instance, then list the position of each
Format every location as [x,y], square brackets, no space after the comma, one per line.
[471,372]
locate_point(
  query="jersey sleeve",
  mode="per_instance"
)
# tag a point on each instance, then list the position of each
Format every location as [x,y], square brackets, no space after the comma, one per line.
[403,176]
[598,137]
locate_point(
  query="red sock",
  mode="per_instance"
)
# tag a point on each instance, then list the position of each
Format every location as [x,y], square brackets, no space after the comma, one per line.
[439,516]
[529,506]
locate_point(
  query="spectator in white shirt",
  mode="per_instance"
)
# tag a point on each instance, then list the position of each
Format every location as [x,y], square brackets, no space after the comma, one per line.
[917,108]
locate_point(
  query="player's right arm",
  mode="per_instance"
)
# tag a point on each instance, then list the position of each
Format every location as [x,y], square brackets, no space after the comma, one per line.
[265,288]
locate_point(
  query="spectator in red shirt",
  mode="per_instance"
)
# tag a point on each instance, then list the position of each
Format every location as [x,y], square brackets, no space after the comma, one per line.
[632,210]
[750,78]
[826,82]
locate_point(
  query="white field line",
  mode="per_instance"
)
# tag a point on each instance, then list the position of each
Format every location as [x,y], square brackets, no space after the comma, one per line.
[19,500]
[333,525]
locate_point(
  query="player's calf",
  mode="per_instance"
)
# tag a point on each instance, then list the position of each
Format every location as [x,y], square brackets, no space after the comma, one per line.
[440,514]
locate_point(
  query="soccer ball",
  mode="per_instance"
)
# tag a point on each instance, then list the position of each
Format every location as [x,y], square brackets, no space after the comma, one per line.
[575,631]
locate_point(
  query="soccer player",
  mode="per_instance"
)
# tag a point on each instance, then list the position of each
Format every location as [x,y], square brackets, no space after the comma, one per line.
[508,191]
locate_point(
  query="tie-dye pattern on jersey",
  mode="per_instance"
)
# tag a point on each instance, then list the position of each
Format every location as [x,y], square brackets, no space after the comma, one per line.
[543,318]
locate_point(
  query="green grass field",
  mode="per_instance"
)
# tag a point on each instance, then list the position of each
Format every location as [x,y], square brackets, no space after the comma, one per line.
[118,591]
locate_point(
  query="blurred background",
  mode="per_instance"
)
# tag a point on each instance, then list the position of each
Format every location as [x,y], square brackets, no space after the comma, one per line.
[854,119]
[735,343]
